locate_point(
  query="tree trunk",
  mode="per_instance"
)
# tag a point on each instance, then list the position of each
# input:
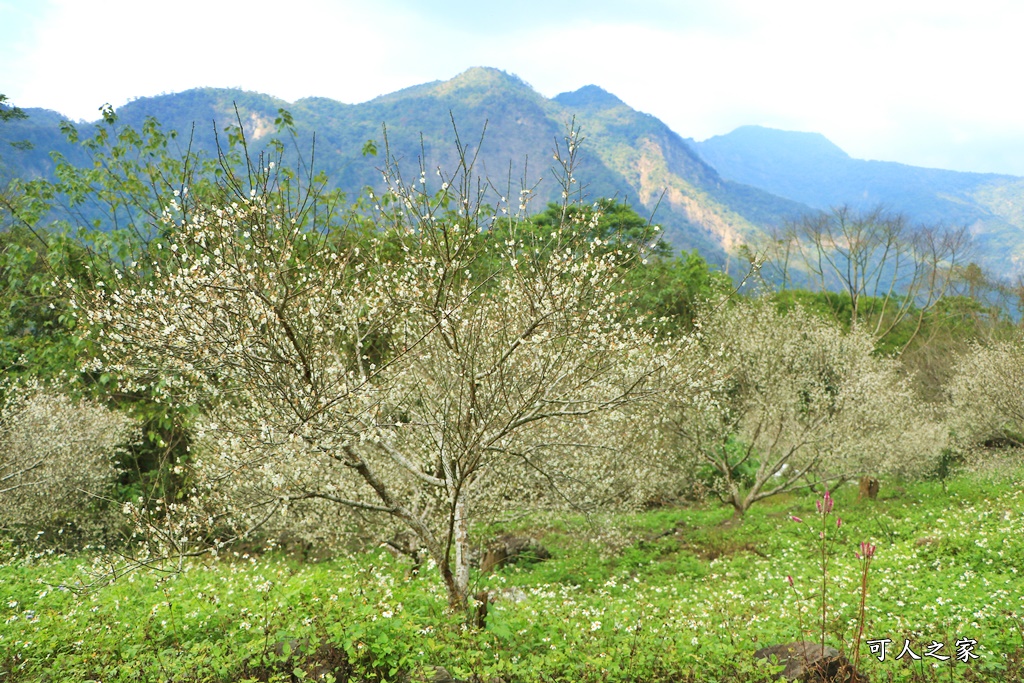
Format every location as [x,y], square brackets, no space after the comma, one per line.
[456,598]
[738,502]
[461,532]
[456,574]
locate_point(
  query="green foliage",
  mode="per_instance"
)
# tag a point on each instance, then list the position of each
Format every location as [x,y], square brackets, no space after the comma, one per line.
[35,321]
[9,112]
[742,469]
[679,289]
[619,225]
[39,339]
[670,291]
[837,307]
[669,595]
[72,231]
[927,344]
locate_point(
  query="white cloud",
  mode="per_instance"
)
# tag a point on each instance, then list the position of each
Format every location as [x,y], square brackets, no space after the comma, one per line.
[83,57]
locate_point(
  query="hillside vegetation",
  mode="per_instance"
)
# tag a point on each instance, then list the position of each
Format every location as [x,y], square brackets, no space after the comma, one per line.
[292,433]
[631,156]
[713,195]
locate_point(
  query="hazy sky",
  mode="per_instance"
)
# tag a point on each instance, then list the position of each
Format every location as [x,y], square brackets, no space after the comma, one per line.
[931,83]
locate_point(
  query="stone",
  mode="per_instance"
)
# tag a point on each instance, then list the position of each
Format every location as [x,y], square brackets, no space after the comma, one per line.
[439,674]
[435,674]
[508,549]
[493,559]
[808,663]
[288,656]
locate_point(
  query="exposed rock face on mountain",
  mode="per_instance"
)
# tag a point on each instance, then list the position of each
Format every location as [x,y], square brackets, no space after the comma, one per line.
[713,195]
[625,154]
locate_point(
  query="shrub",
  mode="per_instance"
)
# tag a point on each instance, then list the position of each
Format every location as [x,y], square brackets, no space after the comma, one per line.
[57,461]
[767,402]
[986,396]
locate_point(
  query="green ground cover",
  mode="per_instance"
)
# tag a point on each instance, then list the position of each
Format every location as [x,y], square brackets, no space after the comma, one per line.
[674,594]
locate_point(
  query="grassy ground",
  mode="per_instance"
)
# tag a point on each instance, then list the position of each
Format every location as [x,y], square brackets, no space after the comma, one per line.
[675,594]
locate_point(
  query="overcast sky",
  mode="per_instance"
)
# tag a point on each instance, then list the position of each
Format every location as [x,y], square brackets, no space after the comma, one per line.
[932,83]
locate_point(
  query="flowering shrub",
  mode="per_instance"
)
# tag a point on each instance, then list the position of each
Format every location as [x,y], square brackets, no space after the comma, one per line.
[986,396]
[771,401]
[57,459]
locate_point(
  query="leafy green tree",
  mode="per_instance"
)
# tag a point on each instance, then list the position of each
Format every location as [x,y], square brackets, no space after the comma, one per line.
[9,112]
[34,330]
[669,291]
[678,290]
[73,230]
[608,222]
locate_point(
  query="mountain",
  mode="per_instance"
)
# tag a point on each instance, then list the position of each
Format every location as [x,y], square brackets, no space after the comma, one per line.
[808,168]
[713,195]
[626,154]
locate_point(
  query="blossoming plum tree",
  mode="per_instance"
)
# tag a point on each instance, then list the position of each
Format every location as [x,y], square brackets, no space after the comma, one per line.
[986,395]
[771,402]
[57,456]
[402,375]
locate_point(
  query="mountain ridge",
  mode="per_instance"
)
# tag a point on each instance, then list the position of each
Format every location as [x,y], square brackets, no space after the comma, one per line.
[713,195]
[808,168]
[628,155]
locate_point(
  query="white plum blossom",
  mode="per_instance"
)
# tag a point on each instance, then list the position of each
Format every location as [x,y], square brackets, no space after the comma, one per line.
[403,385]
[57,455]
[770,401]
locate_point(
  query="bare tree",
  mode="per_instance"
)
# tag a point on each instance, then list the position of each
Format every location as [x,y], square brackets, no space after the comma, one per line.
[890,272]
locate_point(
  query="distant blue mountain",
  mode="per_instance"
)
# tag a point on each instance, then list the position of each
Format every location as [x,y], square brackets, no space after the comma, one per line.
[808,168]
